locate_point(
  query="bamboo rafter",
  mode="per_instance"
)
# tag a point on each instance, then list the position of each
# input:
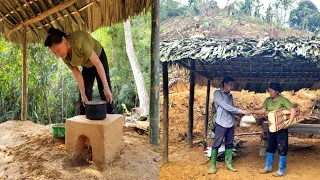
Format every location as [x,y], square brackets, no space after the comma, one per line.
[42,15]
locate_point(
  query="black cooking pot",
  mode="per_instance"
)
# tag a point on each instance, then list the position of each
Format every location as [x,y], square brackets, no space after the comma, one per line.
[96,110]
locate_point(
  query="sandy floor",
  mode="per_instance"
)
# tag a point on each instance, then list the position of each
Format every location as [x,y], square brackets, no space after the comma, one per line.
[188,163]
[28,151]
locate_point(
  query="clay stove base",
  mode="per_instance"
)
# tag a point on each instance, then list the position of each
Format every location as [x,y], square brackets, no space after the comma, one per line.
[106,136]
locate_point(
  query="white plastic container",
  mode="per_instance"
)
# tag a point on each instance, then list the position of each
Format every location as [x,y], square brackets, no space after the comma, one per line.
[248,119]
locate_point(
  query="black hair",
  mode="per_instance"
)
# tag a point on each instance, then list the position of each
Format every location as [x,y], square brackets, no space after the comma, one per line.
[275,86]
[226,80]
[54,37]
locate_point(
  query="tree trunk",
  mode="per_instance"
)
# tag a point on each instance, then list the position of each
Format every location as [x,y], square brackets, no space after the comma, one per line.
[138,77]
[47,104]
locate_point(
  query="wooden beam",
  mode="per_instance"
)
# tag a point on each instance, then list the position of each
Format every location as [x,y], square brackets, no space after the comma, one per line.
[42,15]
[193,70]
[51,17]
[24,77]
[79,15]
[2,6]
[155,62]
[6,19]
[191,103]
[32,25]
[71,17]
[59,14]
[40,10]
[33,13]
[207,109]
[165,112]
[298,128]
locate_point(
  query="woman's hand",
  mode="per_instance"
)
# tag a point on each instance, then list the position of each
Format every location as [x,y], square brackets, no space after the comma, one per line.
[84,99]
[245,112]
[108,94]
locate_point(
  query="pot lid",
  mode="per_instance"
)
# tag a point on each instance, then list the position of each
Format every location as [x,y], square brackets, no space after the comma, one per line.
[95,102]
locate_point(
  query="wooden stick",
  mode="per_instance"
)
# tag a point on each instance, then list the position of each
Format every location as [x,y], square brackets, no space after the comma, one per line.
[24,77]
[191,103]
[246,134]
[78,14]
[207,110]
[165,112]
[154,79]
[71,17]
[42,15]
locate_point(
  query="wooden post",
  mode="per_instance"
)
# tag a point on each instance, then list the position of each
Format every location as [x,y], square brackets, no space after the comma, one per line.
[165,112]
[191,102]
[24,76]
[207,110]
[154,89]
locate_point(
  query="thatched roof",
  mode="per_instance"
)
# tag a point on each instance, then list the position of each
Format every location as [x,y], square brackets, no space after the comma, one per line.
[67,15]
[291,61]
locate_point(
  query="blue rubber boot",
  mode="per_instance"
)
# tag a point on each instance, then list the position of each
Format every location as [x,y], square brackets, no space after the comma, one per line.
[282,166]
[269,163]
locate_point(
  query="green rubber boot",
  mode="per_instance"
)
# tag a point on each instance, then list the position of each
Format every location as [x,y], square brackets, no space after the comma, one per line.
[213,161]
[228,160]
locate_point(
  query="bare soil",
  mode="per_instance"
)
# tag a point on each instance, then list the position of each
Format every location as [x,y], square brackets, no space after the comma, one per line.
[28,151]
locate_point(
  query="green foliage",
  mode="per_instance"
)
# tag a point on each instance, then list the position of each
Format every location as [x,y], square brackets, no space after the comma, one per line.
[172,8]
[206,23]
[305,16]
[223,14]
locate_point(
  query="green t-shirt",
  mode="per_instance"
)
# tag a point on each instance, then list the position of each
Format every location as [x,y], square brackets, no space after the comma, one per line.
[281,102]
[82,44]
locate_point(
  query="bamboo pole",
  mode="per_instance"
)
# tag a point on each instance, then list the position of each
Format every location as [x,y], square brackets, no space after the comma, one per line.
[24,76]
[154,90]
[191,103]
[207,110]
[165,112]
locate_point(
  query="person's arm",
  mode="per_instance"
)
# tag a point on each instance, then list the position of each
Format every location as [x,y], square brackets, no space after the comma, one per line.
[102,74]
[77,74]
[259,111]
[218,99]
[289,106]
[292,116]
[262,110]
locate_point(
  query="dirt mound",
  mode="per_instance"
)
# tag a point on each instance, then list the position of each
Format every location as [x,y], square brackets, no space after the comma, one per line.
[28,150]
[213,24]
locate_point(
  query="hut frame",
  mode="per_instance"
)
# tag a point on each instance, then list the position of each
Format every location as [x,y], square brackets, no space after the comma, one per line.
[28,21]
[293,62]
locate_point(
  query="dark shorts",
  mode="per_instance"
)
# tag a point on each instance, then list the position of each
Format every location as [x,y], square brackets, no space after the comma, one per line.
[278,140]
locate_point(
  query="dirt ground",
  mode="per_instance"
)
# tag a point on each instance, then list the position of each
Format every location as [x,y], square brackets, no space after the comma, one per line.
[189,163]
[28,151]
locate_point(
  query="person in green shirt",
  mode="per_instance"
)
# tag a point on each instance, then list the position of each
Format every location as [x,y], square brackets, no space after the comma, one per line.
[277,139]
[81,49]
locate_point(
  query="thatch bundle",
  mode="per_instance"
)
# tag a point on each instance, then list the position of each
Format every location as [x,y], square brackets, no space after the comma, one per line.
[67,15]
[294,62]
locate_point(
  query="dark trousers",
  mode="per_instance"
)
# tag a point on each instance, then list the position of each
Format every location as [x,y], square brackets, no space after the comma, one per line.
[89,74]
[278,140]
[220,133]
